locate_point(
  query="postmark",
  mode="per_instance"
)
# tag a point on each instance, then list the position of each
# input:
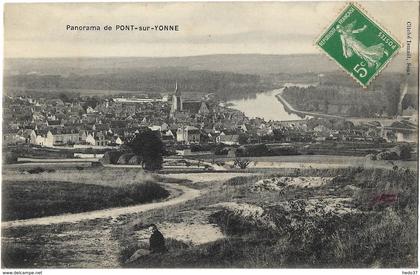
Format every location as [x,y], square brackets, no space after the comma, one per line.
[358,44]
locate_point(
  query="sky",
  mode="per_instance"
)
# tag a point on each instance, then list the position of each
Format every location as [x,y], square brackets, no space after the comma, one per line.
[39,30]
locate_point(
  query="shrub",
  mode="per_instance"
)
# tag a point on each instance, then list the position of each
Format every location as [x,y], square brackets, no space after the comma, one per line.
[10,158]
[135,160]
[221,150]
[404,151]
[240,180]
[284,151]
[253,151]
[371,157]
[241,163]
[125,158]
[148,145]
[387,155]
[111,157]
[144,192]
[38,170]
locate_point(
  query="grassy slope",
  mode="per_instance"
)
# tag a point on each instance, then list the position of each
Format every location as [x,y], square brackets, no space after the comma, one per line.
[384,237]
[30,199]
[73,191]
[380,235]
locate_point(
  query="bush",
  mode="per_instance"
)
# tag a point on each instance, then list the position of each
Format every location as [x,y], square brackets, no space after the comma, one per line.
[241,180]
[403,150]
[144,192]
[400,152]
[135,160]
[38,170]
[111,157]
[371,157]
[241,163]
[253,151]
[387,155]
[201,147]
[10,158]
[221,150]
[125,158]
[284,151]
[148,145]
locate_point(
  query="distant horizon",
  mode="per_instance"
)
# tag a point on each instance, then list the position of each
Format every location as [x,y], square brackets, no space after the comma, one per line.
[161,57]
[237,63]
[208,28]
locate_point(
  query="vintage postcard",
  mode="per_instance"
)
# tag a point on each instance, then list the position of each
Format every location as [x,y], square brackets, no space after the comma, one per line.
[210,135]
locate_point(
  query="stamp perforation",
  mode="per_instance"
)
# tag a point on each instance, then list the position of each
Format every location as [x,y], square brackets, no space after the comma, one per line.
[373,21]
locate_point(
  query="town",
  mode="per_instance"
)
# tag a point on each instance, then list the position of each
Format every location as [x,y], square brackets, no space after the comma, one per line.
[209,135]
[201,125]
[113,156]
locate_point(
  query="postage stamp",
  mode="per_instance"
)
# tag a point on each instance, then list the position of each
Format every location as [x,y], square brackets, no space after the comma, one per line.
[359,45]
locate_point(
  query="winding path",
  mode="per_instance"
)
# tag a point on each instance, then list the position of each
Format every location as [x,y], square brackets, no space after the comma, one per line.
[90,246]
[187,194]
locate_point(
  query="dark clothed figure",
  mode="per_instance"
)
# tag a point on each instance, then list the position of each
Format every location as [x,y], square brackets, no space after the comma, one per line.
[156,241]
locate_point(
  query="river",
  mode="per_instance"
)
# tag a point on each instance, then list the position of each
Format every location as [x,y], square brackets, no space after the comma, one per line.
[266,105]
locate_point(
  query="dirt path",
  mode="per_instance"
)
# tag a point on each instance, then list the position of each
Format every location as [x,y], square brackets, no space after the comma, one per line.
[97,245]
[187,194]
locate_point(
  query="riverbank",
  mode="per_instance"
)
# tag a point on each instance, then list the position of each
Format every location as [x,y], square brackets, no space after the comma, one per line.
[290,108]
[275,108]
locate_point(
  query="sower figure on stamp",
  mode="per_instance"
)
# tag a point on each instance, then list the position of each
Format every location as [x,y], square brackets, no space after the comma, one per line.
[372,55]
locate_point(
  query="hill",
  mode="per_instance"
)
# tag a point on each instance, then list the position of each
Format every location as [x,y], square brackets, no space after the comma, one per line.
[237,63]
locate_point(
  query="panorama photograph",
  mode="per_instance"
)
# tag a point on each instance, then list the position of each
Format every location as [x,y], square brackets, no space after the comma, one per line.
[206,135]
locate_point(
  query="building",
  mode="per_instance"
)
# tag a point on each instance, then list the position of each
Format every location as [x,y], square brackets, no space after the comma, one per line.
[90,139]
[64,136]
[188,135]
[228,139]
[12,137]
[176,101]
[100,139]
[42,138]
[181,107]
[196,107]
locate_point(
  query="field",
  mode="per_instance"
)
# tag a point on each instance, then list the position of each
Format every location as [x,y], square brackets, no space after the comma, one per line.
[334,217]
[32,199]
[32,191]
[313,161]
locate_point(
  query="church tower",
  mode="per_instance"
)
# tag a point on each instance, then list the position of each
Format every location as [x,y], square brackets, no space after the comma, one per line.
[176,101]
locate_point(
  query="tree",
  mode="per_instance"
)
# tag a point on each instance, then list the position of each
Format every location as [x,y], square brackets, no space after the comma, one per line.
[279,135]
[243,139]
[404,151]
[241,163]
[392,92]
[64,97]
[91,102]
[148,145]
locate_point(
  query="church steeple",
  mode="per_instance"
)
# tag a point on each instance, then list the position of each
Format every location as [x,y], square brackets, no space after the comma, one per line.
[176,101]
[177,92]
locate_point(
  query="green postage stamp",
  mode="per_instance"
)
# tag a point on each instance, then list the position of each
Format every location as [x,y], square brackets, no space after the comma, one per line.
[358,44]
